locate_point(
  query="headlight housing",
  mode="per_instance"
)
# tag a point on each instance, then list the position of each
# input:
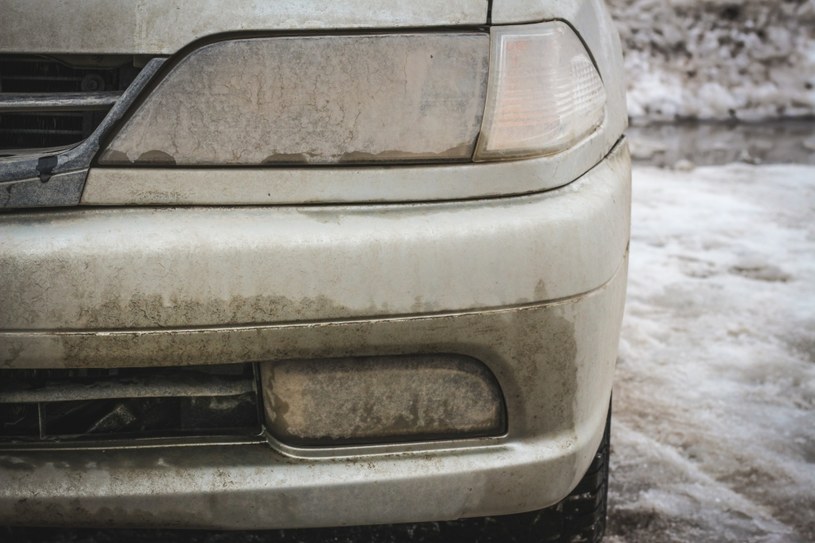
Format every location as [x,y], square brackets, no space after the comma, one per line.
[393,98]
[544,93]
[323,99]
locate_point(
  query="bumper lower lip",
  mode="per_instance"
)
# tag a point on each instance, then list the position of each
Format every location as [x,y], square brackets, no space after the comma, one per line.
[557,397]
[252,487]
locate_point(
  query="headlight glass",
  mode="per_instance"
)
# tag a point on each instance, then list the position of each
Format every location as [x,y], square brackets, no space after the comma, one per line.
[297,100]
[544,93]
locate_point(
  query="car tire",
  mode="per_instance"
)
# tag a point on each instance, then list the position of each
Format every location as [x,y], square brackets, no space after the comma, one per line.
[579,518]
[584,511]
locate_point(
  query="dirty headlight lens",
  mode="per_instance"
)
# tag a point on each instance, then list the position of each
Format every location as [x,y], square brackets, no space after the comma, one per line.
[544,93]
[296,100]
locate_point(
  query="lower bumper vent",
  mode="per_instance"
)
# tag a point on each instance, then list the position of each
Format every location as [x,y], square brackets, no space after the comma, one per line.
[96,404]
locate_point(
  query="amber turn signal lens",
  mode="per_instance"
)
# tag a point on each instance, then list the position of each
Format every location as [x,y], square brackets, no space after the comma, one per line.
[544,95]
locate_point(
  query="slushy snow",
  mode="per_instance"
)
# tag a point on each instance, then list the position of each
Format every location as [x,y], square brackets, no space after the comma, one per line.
[714,428]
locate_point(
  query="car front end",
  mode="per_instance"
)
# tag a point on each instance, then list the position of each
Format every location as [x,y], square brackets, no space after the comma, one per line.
[313,264]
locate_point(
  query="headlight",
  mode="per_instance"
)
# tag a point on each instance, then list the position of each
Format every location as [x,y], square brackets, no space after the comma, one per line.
[295,100]
[544,93]
[528,90]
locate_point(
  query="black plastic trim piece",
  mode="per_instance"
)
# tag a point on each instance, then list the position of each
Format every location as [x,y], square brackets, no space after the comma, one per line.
[23,169]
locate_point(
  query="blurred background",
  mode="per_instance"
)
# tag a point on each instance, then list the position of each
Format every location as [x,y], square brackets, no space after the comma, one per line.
[746,60]
[743,69]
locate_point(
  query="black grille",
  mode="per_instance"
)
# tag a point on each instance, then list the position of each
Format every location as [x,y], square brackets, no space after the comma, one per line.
[40,75]
[96,404]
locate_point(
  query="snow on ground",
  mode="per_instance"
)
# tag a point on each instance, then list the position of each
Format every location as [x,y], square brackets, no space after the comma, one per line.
[718,59]
[714,429]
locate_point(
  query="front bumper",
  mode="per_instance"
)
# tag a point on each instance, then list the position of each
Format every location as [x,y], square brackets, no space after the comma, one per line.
[532,286]
[555,364]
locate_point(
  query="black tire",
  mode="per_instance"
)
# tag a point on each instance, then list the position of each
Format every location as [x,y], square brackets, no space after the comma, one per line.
[585,509]
[579,518]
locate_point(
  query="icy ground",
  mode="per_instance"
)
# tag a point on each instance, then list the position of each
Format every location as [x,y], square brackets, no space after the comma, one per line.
[718,59]
[714,428]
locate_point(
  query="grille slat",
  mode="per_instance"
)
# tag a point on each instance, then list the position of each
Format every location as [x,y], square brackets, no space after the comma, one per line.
[81,405]
[167,385]
[39,78]
[49,131]
[48,102]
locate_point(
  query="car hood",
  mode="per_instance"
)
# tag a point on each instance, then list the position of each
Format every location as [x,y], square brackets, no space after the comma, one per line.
[162,27]
[157,27]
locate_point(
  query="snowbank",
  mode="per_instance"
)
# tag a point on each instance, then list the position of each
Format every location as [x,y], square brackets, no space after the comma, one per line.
[718,59]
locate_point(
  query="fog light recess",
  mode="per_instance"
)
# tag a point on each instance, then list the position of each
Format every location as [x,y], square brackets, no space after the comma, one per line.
[379,400]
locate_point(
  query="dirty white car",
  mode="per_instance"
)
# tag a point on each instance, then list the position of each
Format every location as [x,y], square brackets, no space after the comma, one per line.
[303,264]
